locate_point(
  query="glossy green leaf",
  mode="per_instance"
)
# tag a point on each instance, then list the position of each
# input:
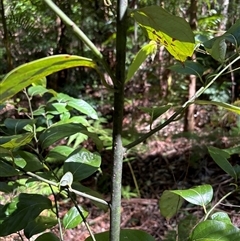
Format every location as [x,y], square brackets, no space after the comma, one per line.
[59,153]
[143,53]
[28,207]
[166,29]
[199,195]
[39,90]
[221,216]
[125,235]
[15,141]
[28,73]
[59,107]
[82,163]
[232,108]
[47,237]
[169,204]
[83,107]
[58,132]
[189,68]
[40,224]
[217,48]
[72,218]
[221,158]
[27,161]
[233,33]
[155,112]
[7,170]
[212,230]
[17,125]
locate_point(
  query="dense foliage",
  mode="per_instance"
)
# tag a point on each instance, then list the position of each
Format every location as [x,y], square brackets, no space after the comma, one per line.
[48,120]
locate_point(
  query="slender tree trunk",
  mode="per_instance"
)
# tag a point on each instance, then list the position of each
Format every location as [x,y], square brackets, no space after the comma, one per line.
[6,40]
[118,149]
[189,123]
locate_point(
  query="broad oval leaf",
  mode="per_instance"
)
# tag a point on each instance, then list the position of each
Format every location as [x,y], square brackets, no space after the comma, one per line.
[212,230]
[39,225]
[140,57]
[189,68]
[72,218]
[28,207]
[17,125]
[28,73]
[7,170]
[57,132]
[221,216]
[166,29]
[220,157]
[125,235]
[82,163]
[169,204]
[199,195]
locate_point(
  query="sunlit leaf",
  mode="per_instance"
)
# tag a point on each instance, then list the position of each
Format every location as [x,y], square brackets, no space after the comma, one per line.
[169,204]
[15,141]
[199,195]
[166,29]
[66,180]
[72,218]
[229,107]
[28,73]
[143,53]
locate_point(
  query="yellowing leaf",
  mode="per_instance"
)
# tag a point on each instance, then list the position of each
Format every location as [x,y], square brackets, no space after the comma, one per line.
[166,29]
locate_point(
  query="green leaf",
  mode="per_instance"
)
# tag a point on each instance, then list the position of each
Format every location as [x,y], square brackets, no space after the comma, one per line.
[28,207]
[40,224]
[17,124]
[155,112]
[233,33]
[39,90]
[125,235]
[169,204]
[140,57]
[189,68]
[83,107]
[27,161]
[28,73]
[72,218]
[47,237]
[7,170]
[15,141]
[217,48]
[82,163]
[166,29]
[58,132]
[221,216]
[232,108]
[185,227]
[220,157]
[7,187]
[199,195]
[212,230]
[59,153]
